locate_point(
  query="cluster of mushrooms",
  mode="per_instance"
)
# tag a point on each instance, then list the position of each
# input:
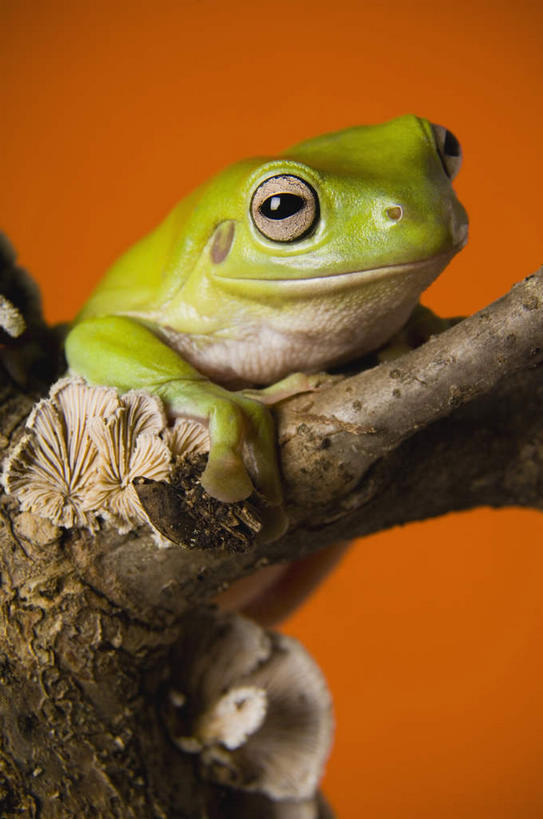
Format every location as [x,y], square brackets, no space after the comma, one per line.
[255,708]
[84,446]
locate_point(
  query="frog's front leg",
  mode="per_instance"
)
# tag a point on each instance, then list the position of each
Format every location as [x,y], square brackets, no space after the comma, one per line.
[122,353]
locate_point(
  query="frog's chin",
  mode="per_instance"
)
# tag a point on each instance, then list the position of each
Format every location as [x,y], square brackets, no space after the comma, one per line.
[317,285]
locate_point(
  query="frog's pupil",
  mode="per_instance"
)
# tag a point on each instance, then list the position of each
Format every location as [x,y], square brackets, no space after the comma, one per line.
[451,146]
[281,205]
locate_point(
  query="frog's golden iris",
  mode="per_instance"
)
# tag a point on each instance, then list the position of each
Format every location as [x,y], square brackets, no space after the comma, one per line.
[285,208]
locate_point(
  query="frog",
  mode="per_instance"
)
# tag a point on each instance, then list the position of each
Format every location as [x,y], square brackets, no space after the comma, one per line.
[276,269]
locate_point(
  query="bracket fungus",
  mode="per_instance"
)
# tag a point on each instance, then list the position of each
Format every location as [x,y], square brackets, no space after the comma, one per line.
[252,704]
[83,448]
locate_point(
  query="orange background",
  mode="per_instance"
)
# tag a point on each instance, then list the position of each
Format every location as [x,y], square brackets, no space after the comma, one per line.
[430,636]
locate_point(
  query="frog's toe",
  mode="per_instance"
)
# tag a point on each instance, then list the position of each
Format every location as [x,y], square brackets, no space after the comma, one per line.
[226,477]
[274,523]
[264,455]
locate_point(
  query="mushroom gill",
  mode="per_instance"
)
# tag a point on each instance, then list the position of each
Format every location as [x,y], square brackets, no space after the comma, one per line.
[128,446]
[52,466]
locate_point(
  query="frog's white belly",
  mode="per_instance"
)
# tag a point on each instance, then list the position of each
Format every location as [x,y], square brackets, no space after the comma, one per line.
[305,335]
[266,355]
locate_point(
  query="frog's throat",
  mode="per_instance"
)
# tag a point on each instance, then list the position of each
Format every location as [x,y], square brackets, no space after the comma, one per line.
[319,285]
[323,330]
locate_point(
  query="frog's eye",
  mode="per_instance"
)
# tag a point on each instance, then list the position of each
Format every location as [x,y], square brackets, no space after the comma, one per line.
[449,150]
[285,208]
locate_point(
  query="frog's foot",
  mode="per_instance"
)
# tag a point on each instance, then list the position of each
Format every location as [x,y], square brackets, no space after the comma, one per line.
[242,456]
[274,523]
[291,385]
[242,451]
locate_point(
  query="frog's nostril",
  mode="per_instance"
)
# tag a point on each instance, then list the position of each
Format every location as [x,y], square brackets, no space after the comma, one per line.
[394,213]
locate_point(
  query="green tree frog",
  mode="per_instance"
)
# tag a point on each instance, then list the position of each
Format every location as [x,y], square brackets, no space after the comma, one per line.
[277,266]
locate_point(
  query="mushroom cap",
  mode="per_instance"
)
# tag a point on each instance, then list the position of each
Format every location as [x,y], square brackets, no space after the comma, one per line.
[11,319]
[278,739]
[187,435]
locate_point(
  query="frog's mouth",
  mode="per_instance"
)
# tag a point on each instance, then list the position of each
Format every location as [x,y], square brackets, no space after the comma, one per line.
[426,269]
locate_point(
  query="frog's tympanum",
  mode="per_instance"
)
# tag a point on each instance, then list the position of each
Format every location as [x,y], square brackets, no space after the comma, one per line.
[277,266]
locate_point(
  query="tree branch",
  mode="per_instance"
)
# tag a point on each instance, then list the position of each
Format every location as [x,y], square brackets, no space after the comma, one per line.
[337,434]
[88,620]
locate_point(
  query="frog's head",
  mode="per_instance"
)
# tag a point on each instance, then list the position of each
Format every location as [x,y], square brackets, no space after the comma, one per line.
[365,217]
[359,200]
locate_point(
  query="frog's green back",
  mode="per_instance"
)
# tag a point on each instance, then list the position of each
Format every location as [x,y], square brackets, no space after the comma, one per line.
[132,282]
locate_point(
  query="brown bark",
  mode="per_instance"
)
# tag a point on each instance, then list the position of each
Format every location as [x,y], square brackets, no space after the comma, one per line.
[88,621]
